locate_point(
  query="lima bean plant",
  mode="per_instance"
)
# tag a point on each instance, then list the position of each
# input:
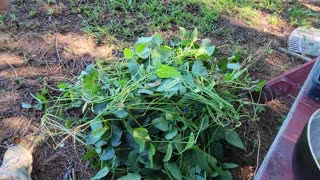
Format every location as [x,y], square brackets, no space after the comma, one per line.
[164,111]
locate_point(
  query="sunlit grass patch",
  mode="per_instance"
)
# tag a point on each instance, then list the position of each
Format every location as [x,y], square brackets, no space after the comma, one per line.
[302,17]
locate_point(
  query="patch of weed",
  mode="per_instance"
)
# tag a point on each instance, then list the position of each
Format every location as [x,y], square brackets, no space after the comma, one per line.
[50,12]
[272,5]
[126,19]
[32,13]
[13,17]
[274,19]
[2,18]
[240,9]
[302,17]
[241,50]
[248,14]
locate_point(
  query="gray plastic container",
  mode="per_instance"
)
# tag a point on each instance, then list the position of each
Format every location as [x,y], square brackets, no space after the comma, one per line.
[307,150]
[314,87]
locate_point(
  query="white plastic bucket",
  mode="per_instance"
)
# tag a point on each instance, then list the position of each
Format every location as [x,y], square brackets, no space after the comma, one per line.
[305,40]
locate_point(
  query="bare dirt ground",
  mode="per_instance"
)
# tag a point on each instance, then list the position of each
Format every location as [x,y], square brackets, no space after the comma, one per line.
[42,51]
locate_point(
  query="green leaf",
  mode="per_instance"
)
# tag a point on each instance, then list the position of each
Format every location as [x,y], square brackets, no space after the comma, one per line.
[156,62]
[223,64]
[183,31]
[169,85]
[191,141]
[141,136]
[194,36]
[128,53]
[77,103]
[99,132]
[26,105]
[233,75]
[143,51]
[168,155]
[120,113]
[134,71]
[161,124]
[234,58]
[233,66]
[107,153]
[188,78]
[133,160]
[100,143]
[166,71]
[175,42]
[98,150]
[96,163]
[233,138]
[154,84]
[151,153]
[215,174]
[88,155]
[198,69]
[161,54]
[174,170]
[90,68]
[131,176]
[102,173]
[128,127]
[177,143]
[260,85]
[38,106]
[186,42]
[212,161]
[226,176]
[140,48]
[204,123]
[62,86]
[229,165]
[115,139]
[41,98]
[95,135]
[157,39]
[169,116]
[172,133]
[96,124]
[68,123]
[84,107]
[44,91]
[199,177]
[145,91]
[206,47]
[100,107]
[196,157]
[90,78]
[144,40]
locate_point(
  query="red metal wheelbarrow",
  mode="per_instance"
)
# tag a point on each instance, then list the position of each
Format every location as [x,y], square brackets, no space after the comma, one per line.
[292,86]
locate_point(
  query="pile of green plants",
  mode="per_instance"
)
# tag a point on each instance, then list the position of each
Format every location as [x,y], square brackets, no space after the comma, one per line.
[163,112]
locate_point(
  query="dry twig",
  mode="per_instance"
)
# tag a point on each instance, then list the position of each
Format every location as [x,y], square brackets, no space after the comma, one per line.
[14,70]
[56,47]
[73,174]
[258,152]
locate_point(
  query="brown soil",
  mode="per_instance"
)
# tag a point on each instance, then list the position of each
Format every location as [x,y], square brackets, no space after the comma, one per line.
[46,50]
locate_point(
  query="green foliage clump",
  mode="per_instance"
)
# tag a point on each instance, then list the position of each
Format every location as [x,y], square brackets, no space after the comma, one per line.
[120,18]
[300,16]
[166,112]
